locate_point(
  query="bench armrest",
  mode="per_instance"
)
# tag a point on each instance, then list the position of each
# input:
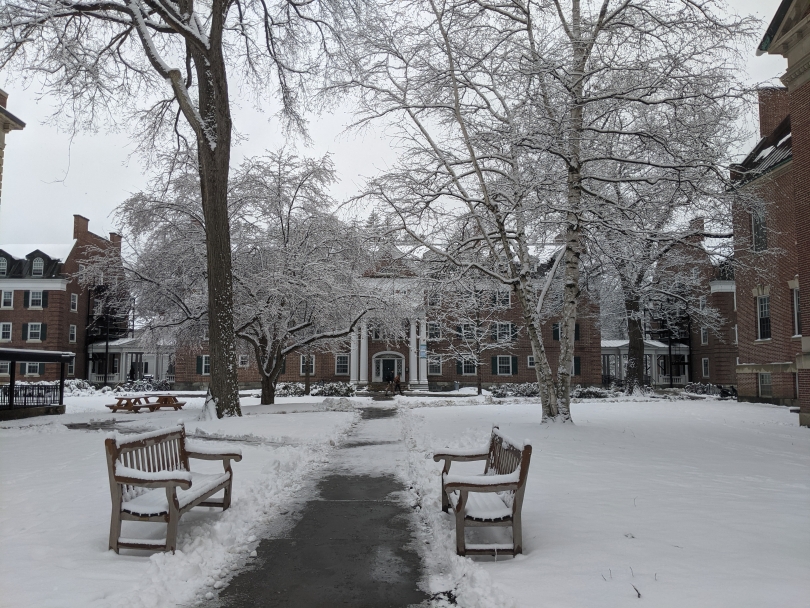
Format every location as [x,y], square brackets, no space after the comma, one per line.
[482,483]
[204,452]
[154,479]
[462,455]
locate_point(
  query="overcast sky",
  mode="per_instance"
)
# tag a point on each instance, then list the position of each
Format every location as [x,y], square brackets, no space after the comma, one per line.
[48,177]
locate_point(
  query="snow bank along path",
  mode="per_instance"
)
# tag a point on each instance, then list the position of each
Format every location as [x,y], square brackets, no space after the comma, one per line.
[695,503]
[55,510]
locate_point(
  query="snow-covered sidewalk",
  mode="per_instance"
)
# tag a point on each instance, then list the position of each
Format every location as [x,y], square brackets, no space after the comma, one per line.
[55,503]
[693,503]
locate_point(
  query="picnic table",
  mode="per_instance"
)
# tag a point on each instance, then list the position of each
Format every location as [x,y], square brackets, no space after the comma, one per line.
[135,403]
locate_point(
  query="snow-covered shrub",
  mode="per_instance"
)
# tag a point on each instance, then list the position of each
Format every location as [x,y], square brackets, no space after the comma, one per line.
[696,388]
[289,389]
[333,389]
[526,389]
[140,386]
[593,392]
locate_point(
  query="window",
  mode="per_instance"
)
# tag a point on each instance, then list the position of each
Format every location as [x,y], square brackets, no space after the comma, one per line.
[115,365]
[503,297]
[555,331]
[71,368]
[434,331]
[503,332]
[36,299]
[705,361]
[504,365]
[467,367]
[34,331]
[342,365]
[5,366]
[797,313]
[97,306]
[74,302]
[434,299]
[37,267]
[434,365]
[8,299]
[243,360]
[759,231]
[577,366]
[702,303]
[376,333]
[765,385]
[206,365]
[763,317]
[72,334]
[704,335]
[32,369]
[530,362]
[5,332]
[734,335]
[468,331]
[3,267]
[310,359]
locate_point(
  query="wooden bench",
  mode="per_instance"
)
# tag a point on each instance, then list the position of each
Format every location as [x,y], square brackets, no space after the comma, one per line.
[492,499]
[150,480]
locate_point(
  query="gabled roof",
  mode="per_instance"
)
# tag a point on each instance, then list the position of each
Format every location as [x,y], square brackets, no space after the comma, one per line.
[768,154]
[776,22]
[7,118]
[55,251]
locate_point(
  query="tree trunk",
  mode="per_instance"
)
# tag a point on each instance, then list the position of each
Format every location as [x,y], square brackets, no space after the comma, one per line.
[634,375]
[268,390]
[479,373]
[306,374]
[213,151]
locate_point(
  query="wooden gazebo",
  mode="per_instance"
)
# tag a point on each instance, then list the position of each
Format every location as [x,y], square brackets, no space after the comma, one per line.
[32,400]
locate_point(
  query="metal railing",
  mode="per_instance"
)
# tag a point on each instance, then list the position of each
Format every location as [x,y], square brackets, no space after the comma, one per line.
[664,380]
[30,396]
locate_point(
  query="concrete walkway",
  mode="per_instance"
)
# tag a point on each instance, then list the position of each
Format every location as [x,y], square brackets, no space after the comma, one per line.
[349,547]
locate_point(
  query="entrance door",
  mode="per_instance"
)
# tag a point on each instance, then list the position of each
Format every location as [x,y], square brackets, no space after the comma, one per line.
[388,369]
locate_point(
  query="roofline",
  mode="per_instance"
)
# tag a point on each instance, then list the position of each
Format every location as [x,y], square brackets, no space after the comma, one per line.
[20,124]
[776,23]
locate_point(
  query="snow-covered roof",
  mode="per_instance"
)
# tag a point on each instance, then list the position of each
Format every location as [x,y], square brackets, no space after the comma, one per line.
[624,343]
[56,251]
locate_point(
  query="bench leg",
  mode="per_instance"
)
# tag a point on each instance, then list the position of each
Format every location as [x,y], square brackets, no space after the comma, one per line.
[461,546]
[445,500]
[174,519]
[115,528]
[226,498]
[517,533]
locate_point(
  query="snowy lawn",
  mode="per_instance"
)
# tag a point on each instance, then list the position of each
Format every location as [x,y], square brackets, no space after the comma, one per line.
[695,503]
[55,503]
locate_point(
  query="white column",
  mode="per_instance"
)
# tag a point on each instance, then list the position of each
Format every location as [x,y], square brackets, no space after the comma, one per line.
[413,348]
[353,359]
[423,376]
[364,353]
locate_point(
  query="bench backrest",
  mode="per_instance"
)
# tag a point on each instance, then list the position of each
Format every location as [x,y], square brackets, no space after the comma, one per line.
[162,450]
[506,457]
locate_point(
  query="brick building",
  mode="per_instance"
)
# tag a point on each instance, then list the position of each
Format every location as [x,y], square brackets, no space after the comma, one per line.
[420,354]
[772,243]
[44,308]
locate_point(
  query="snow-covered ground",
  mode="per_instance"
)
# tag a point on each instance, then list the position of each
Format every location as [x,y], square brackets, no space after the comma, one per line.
[55,503]
[695,503]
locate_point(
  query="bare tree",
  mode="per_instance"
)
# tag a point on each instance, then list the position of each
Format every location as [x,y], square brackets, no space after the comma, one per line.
[153,62]
[515,117]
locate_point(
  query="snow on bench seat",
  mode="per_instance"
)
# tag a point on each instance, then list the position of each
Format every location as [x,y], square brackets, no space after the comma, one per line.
[154,502]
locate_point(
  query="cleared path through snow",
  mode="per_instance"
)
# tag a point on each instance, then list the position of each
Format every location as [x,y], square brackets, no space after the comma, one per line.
[351,544]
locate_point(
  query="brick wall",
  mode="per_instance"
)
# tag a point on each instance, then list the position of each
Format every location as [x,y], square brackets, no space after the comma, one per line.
[721,350]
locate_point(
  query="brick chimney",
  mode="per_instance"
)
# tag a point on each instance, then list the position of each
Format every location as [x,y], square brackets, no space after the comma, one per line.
[80,225]
[774,106]
[115,239]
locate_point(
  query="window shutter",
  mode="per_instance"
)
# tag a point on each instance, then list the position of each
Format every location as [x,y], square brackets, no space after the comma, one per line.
[41,369]
[283,365]
[577,366]
[458,331]
[44,299]
[514,366]
[25,329]
[459,367]
[576,331]
[494,332]
[494,366]
[513,331]
[199,365]
[555,332]
[26,298]
[43,332]
[22,369]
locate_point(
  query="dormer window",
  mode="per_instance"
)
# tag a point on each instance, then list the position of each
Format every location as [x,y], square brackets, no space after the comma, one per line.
[37,267]
[3,267]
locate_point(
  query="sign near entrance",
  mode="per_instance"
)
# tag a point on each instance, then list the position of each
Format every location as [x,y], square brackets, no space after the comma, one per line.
[423,351]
